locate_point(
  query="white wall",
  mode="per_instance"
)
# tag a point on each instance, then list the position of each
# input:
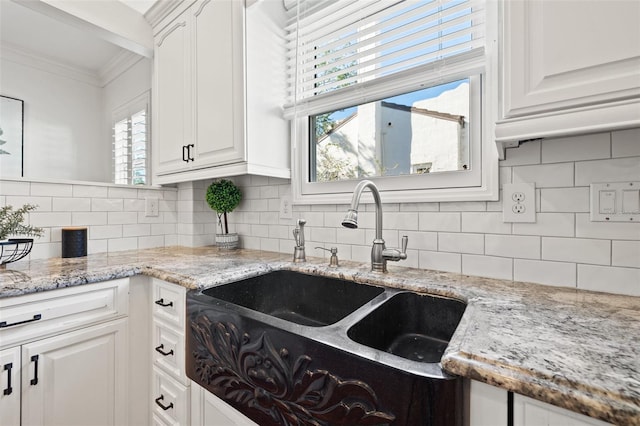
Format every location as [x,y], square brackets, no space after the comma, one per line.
[562,248]
[62,123]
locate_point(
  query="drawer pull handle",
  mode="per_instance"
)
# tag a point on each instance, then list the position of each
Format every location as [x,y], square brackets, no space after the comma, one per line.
[34,381]
[161,303]
[160,350]
[161,405]
[185,153]
[36,317]
[7,368]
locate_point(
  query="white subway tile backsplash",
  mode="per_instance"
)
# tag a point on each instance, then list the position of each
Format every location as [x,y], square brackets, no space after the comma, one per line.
[626,253]
[105,231]
[609,279]
[606,230]
[351,236]
[402,221]
[51,189]
[517,246]
[44,203]
[614,170]
[122,192]
[120,244]
[625,143]
[467,206]
[545,272]
[115,218]
[526,154]
[564,199]
[324,235]
[45,219]
[97,246]
[421,240]
[487,266]
[88,218]
[137,230]
[545,175]
[461,243]
[578,250]
[8,187]
[71,204]
[131,205]
[151,241]
[107,204]
[90,191]
[440,261]
[260,230]
[576,148]
[445,222]
[415,207]
[488,222]
[549,224]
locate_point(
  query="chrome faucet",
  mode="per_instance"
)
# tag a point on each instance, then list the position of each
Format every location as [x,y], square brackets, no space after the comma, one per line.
[379,253]
[298,235]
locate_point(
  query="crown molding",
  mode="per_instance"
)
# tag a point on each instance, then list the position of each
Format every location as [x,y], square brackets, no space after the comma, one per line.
[118,65]
[160,10]
[48,64]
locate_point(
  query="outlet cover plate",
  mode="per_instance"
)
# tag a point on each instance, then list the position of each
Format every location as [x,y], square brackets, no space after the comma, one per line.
[519,202]
[151,207]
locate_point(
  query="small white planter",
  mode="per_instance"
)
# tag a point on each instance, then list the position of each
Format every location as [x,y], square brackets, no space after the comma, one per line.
[227,241]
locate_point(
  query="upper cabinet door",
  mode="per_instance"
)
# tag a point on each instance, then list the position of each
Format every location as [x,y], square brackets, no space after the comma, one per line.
[560,54]
[568,68]
[172,112]
[218,75]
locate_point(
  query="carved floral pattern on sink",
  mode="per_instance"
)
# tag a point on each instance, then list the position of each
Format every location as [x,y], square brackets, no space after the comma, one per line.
[256,375]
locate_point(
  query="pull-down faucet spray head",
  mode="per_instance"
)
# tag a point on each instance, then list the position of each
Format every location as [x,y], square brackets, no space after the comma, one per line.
[350,219]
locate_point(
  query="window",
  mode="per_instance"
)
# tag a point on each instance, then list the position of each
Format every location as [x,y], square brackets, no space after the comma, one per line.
[130,142]
[392,91]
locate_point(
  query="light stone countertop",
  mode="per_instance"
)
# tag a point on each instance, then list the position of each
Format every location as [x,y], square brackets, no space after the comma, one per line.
[575,349]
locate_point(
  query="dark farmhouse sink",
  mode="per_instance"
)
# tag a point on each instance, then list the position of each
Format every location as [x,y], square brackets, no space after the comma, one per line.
[412,326]
[287,348]
[303,299]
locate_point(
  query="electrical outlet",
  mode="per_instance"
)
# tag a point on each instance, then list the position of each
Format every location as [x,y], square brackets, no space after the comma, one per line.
[151,208]
[519,202]
[285,207]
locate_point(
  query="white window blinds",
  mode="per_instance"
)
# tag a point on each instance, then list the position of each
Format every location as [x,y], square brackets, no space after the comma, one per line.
[345,44]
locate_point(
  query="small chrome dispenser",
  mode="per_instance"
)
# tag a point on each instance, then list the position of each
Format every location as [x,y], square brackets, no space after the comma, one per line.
[333,261]
[298,235]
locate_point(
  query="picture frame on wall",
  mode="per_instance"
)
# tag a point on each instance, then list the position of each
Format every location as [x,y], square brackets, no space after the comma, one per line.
[11,137]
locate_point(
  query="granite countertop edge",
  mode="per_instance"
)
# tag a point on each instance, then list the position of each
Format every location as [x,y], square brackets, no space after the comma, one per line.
[572,381]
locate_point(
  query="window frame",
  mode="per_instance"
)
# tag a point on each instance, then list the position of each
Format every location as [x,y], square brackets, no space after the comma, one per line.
[126,111]
[481,183]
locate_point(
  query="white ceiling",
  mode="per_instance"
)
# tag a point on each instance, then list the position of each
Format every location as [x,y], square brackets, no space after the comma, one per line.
[34,33]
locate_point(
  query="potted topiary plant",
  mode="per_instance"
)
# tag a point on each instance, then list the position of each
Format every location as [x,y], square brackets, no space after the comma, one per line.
[12,224]
[223,196]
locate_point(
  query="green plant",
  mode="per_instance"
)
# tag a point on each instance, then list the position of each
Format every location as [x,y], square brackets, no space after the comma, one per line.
[11,222]
[223,196]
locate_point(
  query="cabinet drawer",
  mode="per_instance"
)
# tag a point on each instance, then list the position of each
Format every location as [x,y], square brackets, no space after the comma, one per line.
[171,401]
[25,318]
[168,351]
[168,304]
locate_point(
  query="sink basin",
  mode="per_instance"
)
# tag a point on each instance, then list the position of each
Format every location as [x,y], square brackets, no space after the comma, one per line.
[299,298]
[409,325]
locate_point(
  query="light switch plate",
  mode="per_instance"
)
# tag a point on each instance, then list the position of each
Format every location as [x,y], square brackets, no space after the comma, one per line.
[615,202]
[519,203]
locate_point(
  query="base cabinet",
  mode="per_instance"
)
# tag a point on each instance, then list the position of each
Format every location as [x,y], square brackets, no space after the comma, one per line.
[77,378]
[209,410]
[489,406]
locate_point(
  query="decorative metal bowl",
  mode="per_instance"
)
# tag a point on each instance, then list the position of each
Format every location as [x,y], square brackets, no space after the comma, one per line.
[14,249]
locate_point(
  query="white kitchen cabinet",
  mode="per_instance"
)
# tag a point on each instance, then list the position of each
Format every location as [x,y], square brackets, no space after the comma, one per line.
[11,386]
[202,108]
[530,412]
[568,68]
[209,410]
[487,405]
[77,378]
[171,395]
[68,355]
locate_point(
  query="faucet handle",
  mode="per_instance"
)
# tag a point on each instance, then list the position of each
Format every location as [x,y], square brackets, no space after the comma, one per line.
[405,242]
